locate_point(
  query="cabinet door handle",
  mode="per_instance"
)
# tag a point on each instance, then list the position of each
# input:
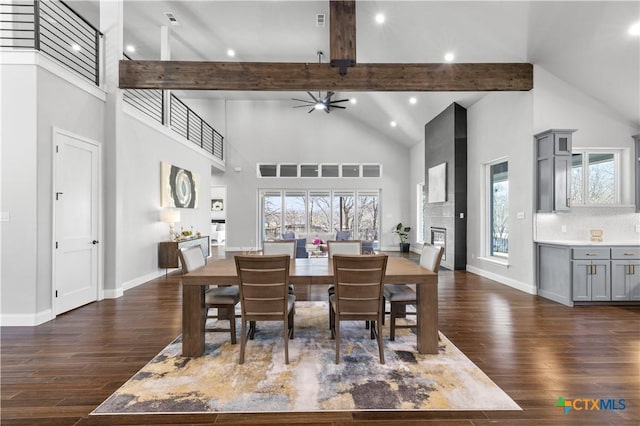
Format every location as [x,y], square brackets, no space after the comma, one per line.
[590,254]
[628,254]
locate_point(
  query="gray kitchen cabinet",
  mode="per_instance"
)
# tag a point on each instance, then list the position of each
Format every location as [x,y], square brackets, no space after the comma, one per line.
[553,170]
[625,273]
[590,273]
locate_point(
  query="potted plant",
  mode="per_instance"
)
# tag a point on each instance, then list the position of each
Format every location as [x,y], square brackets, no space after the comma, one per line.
[403,233]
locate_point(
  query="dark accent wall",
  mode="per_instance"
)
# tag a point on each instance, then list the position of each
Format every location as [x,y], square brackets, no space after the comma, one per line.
[446,142]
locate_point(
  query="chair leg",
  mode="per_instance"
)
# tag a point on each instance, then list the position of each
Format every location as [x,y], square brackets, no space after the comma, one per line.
[392,323]
[380,347]
[232,325]
[285,326]
[252,330]
[243,339]
[290,324]
[336,332]
[373,329]
[332,321]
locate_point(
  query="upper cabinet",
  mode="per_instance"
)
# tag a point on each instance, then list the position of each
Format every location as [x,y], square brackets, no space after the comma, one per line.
[553,170]
[636,164]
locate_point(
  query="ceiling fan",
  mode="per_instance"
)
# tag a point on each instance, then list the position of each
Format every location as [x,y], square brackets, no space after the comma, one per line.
[320,102]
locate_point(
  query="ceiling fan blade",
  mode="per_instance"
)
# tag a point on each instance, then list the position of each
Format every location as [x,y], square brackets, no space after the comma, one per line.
[315,100]
[337,106]
[327,110]
[300,106]
[311,110]
[302,100]
[340,100]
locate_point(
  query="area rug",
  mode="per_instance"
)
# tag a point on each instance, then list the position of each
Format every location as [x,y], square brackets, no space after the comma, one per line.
[311,382]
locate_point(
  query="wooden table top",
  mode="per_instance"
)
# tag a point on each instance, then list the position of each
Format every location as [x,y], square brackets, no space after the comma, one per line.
[310,271]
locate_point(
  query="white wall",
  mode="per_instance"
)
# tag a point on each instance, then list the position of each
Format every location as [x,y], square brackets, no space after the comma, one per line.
[34,100]
[272,131]
[145,146]
[500,125]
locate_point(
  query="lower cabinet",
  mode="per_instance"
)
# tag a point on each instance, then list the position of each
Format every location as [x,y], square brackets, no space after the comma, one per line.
[625,280]
[569,274]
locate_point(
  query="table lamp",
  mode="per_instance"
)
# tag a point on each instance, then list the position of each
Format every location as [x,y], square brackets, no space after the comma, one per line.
[171,216]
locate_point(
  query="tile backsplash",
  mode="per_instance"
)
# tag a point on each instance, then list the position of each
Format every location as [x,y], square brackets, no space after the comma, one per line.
[617,223]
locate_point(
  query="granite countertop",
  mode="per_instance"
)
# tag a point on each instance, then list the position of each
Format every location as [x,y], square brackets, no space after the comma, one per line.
[591,243]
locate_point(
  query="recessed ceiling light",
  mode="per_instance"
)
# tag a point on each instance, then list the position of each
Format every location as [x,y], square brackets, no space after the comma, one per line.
[380,18]
[413,100]
[76,47]
[231,53]
[130,48]
[393,124]
[353,101]
[634,29]
[449,57]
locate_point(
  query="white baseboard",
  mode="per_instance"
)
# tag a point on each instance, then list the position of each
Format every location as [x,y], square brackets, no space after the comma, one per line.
[113,293]
[518,285]
[143,279]
[26,320]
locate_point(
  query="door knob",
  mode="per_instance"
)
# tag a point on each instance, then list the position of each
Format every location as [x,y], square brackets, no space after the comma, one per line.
[95,242]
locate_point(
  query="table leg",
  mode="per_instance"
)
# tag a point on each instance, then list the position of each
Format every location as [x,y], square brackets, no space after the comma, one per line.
[193,320]
[427,329]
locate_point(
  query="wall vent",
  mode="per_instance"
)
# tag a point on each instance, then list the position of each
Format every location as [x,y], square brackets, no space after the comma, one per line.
[172,18]
[320,20]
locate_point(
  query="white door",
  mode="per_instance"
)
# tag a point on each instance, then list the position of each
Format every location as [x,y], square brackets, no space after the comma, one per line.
[76,201]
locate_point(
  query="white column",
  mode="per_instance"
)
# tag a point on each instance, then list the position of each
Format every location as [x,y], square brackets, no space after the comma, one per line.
[165,55]
[111,25]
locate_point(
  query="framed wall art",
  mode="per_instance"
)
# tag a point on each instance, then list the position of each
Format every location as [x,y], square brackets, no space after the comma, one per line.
[437,183]
[217,205]
[179,187]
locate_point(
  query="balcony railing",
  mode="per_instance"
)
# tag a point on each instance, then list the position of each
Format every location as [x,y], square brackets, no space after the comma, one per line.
[187,123]
[55,29]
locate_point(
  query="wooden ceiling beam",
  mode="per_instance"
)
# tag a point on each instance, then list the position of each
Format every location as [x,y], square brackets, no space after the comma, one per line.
[455,77]
[342,34]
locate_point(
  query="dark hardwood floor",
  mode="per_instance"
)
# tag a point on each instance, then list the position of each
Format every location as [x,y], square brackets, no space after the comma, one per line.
[534,349]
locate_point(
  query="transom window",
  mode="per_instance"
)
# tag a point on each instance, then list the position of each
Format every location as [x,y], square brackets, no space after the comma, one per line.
[311,170]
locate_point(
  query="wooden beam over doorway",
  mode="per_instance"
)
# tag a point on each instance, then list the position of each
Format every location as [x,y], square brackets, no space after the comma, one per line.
[186,75]
[342,34]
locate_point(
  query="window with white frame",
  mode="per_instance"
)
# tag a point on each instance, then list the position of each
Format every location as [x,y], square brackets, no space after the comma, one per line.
[320,212]
[595,177]
[497,202]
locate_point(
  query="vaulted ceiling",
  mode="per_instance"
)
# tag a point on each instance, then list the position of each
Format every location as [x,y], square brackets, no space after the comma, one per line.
[585,44]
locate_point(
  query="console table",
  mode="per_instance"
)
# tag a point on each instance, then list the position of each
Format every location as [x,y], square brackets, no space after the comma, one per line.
[168,250]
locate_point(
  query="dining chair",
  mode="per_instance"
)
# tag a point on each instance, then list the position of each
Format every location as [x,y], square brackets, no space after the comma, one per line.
[401,295]
[264,295]
[281,247]
[358,294]
[223,299]
[342,247]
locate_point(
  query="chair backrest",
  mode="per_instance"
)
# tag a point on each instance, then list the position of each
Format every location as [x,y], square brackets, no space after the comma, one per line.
[358,285]
[343,235]
[191,258]
[431,257]
[264,286]
[289,236]
[344,247]
[280,247]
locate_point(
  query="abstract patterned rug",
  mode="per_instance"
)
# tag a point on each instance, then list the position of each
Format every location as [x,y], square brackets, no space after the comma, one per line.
[312,381]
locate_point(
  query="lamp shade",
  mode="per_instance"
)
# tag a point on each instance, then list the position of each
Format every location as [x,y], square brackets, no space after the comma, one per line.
[171,216]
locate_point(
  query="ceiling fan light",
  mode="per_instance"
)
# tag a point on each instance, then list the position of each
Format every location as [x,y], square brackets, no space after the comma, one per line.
[320,105]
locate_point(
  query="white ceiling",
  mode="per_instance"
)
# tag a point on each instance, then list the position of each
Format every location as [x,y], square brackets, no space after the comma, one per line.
[584,43]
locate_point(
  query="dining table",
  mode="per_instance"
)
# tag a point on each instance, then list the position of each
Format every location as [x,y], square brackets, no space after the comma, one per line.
[311,271]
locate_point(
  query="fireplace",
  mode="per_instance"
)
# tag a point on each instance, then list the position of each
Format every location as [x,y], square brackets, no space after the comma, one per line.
[439,239]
